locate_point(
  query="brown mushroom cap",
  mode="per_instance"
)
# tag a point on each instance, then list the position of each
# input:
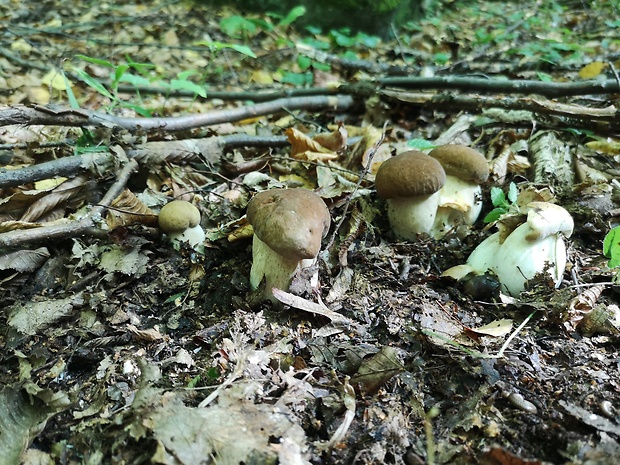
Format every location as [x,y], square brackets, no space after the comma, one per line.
[291,222]
[409,174]
[177,216]
[462,162]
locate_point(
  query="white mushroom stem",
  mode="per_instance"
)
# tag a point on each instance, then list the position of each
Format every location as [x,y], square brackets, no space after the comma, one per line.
[459,205]
[536,246]
[276,270]
[483,257]
[520,259]
[193,236]
[411,216]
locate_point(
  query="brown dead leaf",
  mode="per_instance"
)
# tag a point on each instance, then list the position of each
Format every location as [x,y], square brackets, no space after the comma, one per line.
[24,260]
[59,196]
[304,148]
[335,140]
[496,328]
[148,335]
[128,209]
[377,370]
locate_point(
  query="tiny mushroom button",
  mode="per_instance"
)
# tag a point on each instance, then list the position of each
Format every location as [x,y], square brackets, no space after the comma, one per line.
[180,220]
[410,182]
[289,225]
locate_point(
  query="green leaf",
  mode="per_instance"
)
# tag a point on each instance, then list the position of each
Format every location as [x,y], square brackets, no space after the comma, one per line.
[494,215]
[513,192]
[96,61]
[611,247]
[498,198]
[304,62]
[70,95]
[420,144]
[235,26]
[182,84]
[292,16]
[94,83]
[135,80]
[244,49]
[298,79]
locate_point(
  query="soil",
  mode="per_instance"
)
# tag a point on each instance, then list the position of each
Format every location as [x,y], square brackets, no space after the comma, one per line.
[147,354]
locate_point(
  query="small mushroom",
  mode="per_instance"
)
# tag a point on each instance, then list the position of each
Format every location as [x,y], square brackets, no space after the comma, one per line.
[410,182]
[460,198]
[289,225]
[180,220]
[536,246]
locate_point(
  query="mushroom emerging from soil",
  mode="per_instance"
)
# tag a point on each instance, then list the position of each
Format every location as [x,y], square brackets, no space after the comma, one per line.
[289,225]
[180,220]
[410,182]
[460,198]
[536,246]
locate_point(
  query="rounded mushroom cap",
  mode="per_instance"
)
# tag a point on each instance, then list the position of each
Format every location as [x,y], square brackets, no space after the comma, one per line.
[177,216]
[409,174]
[291,222]
[462,162]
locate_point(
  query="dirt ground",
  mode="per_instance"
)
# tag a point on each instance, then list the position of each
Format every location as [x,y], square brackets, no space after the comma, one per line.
[119,349]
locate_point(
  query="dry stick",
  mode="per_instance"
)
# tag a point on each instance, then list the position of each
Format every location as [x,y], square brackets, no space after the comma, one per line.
[461,83]
[21,114]
[85,226]
[603,120]
[69,166]
[548,89]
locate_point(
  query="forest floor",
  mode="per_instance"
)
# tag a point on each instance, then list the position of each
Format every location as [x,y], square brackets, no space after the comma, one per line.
[119,349]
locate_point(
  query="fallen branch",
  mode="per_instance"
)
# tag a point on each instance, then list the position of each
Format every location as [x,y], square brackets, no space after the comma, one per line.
[548,89]
[602,120]
[38,114]
[209,150]
[85,226]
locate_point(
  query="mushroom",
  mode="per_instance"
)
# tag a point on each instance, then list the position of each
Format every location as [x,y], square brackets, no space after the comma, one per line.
[180,220]
[460,198]
[289,225]
[536,246]
[410,182]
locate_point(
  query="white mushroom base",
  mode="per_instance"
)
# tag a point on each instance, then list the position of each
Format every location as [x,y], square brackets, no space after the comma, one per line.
[518,259]
[412,216]
[195,237]
[276,270]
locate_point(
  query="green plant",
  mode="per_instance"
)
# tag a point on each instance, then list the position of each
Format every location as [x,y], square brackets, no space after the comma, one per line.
[120,73]
[501,201]
[611,247]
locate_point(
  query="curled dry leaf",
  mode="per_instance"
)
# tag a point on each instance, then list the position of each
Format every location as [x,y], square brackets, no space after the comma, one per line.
[335,140]
[128,209]
[304,148]
[59,196]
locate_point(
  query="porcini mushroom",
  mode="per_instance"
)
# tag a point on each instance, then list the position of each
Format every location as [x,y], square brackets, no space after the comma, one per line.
[180,220]
[289,225]
[536,246]
[410,182]
[460,198]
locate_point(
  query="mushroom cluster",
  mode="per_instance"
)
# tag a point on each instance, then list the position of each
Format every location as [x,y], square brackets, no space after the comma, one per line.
[515,257]
[436,194]
[289,225]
